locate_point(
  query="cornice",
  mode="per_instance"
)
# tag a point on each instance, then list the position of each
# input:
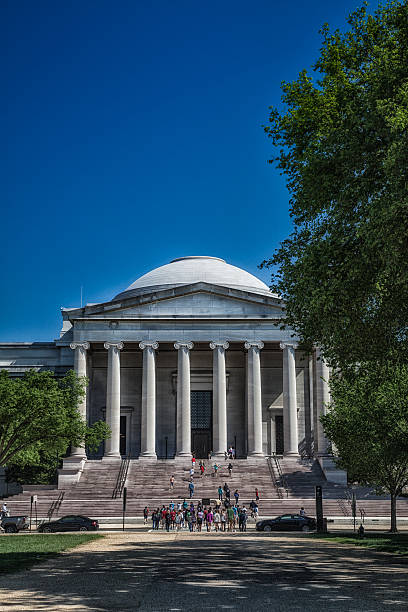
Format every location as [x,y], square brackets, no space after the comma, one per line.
[174,292]
[26,345]
[164,318]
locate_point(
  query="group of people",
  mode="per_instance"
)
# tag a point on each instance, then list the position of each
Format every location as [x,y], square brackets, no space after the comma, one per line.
[222,491]
[215,472]
[202,468]
[221,516]
[196,518]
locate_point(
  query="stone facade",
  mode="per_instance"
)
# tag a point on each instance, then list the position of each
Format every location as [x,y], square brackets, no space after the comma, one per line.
[195,339]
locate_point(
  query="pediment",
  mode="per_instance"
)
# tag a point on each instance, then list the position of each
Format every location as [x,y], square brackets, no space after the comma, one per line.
[187,302]
[198,305]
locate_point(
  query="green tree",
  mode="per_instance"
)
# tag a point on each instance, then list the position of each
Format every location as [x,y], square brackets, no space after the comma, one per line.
[39,418]
[341,140]
[43,471]
[368,422]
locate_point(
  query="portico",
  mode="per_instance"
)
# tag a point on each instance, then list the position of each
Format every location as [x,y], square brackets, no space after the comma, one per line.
[190,358]
[212,374]
[198,330]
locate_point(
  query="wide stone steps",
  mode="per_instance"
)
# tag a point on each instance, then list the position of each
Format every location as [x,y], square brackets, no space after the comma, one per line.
[148,485]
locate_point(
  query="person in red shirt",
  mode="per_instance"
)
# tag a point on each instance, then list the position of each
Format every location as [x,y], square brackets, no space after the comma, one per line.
[163,516]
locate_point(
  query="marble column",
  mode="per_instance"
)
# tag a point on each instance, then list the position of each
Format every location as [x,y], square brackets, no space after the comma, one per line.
[254,389]
[80,349]
[311,402]
[113,398]
[183,399]
[249,413]
[219,398]
[322,400]
[290,423]
[148,438]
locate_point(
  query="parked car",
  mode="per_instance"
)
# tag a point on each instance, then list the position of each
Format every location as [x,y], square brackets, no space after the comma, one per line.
[287,522]
[13,524]
[71,522]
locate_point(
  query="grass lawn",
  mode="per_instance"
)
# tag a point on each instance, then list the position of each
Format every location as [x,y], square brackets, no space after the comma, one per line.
[386,542]
[19,552]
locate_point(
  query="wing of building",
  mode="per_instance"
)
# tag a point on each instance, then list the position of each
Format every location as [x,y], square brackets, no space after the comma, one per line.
[190,358]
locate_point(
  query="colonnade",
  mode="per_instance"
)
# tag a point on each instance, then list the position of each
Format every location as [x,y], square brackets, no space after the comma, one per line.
[183,434]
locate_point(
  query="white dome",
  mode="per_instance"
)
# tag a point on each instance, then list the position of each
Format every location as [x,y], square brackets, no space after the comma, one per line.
[196,269]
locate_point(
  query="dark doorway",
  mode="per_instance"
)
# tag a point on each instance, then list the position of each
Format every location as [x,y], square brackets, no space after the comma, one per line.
[122,438]
[201,423]
[279,434]
[201,444]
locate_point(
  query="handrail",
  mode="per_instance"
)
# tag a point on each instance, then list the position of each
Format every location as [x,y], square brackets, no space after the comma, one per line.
[282,478]
[343,507]
[275,482]
[348,498]
[56,504]
[121,479]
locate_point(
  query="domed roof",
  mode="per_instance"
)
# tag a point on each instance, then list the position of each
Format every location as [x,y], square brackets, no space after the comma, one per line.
[195,269]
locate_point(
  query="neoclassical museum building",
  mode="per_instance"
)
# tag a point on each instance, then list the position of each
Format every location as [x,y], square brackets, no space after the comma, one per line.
[190,358]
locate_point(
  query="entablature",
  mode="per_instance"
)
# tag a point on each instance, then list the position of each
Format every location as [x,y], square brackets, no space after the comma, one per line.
[202,300]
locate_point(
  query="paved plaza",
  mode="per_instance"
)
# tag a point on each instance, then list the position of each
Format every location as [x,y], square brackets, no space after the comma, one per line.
[184,572]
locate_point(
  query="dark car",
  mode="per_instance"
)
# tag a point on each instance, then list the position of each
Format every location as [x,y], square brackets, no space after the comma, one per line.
[13,524]
[71,522]
[287,522]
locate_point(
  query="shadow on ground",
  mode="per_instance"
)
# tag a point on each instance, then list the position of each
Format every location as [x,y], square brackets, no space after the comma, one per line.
[222,572]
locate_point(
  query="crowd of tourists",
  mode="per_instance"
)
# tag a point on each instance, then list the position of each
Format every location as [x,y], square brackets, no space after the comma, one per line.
[181,515]
[222,515]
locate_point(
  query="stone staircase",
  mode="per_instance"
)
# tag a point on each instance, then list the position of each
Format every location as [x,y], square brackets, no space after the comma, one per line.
[148,484]
[302,475]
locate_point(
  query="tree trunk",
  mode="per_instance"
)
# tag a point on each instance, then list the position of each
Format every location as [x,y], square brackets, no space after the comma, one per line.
[393,513]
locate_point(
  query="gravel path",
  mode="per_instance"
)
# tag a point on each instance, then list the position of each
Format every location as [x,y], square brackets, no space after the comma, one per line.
[183,572]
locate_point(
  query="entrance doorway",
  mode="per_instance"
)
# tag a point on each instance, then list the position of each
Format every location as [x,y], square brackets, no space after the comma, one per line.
[201,444]
[279,434]
[122,436]
[201,423]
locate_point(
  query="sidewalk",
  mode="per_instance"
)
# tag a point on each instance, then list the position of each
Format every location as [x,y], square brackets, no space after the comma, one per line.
[161,572]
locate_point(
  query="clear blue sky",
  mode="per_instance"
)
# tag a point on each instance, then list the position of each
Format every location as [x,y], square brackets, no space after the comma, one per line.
[133,136]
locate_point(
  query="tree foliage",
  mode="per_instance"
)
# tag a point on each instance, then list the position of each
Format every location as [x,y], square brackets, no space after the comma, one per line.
[342,143]
[368,422]
[42,471]
[39,417]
